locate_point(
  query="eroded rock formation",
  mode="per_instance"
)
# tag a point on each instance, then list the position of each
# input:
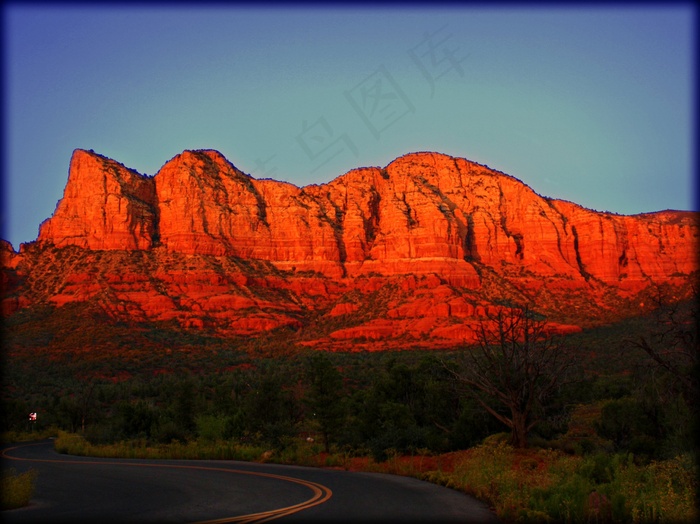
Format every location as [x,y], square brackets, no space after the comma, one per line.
[431,241]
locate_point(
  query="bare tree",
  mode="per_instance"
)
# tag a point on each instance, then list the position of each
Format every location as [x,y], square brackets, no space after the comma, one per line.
[672,343]
[518,364]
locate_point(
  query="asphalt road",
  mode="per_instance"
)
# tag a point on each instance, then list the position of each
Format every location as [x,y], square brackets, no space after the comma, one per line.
[83,489]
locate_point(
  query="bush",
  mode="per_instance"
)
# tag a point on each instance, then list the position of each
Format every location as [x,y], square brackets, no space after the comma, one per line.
[70,444]
[663,491]
[212,427]
[546,485]
[625,423]
[17,488]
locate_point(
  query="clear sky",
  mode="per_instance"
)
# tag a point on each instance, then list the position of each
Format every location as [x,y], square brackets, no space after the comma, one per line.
[588,104]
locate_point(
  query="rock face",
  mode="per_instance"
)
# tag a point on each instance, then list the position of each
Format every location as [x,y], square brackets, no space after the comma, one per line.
[104,206]
[439,238]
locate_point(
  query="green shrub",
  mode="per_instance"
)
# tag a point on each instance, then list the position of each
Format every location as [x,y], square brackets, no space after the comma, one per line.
[549,486]
[564,501]
[487,473]
[70,444]
[663,491]
[17,488]
[212,427]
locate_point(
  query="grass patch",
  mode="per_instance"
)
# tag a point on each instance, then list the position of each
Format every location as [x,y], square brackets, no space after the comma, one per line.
[74,444]
[8,437]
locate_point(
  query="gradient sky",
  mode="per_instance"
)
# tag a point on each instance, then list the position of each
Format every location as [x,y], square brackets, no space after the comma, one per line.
[592,105]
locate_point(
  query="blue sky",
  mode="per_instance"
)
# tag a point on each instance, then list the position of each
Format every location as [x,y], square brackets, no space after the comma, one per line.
[588,104]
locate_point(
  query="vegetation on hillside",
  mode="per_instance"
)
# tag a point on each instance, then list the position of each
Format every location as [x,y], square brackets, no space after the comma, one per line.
[617,444]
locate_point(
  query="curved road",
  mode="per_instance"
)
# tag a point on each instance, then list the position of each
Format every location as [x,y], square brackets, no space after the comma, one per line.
[84,489]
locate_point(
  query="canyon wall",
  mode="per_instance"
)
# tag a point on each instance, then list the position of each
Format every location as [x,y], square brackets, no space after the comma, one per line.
[422,212]
[450,237]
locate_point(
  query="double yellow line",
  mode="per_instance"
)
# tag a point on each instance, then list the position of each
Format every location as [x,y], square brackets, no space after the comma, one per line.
[321,493]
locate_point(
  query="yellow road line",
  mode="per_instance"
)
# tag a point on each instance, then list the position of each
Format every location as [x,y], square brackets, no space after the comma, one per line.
[321,493]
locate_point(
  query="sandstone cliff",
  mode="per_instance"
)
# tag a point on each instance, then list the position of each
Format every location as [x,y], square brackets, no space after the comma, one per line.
[104,206]
[431,241]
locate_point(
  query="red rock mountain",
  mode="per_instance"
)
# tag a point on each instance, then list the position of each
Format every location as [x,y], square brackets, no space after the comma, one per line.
[416,253]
